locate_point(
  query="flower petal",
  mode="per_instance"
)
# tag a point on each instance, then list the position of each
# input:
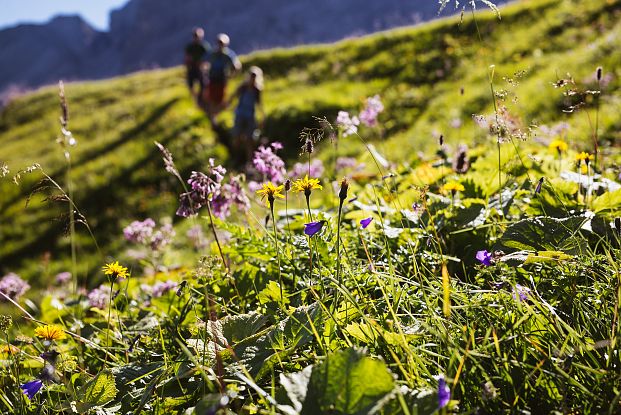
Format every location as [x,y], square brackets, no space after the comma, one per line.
[366,222]
[484,257]
[444,393]
[31,388]
[312,228]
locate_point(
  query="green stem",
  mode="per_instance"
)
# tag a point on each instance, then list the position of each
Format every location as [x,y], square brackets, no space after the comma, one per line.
[289,232]
[215,236]
[282,297]
[74,261]
[338,256]
[596,135]
[109,317]
[287,215]
[491,86]
[338,243]
[310,246]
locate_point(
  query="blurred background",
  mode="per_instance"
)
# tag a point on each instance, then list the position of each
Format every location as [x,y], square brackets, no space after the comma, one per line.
[42,41]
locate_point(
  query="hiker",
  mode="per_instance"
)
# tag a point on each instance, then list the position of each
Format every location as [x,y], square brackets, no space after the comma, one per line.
[248,98]
[223,62]
[195,52]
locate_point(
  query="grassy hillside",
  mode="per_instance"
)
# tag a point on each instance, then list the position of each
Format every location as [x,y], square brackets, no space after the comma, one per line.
[419,72]
[435,280]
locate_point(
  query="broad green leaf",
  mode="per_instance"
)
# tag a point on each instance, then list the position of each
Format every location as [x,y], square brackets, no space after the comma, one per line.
[239,327]
[420,402]
[609,202]
[271,294]
[557,198]
[369,334]
[547,256]
[136,373]
[347,382]
[544,233]
[98,391]
[261,353]
[362,332]
[52,309]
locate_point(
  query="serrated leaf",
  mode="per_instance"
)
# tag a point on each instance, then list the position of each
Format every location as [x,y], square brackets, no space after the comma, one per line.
[261,353]
[239,327]
[544,233]
[98,391]
[271,293]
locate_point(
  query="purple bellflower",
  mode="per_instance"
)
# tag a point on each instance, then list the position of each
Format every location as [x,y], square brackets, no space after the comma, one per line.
[312,228]
[366,222]
[484,257]
[31,388]
[444,393]
[521,292]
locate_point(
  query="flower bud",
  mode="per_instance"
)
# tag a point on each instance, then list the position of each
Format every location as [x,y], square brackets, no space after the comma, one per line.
[344,189]
[538,188]
[309,147]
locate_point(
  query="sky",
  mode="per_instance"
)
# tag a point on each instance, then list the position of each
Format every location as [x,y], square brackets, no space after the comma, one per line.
[95,12]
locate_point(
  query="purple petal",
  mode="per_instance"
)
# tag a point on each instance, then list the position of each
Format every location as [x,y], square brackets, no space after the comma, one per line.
[312,228]
[31,388]
[538,188]
[444,393]
[521,293]
[365,222]
[484,257]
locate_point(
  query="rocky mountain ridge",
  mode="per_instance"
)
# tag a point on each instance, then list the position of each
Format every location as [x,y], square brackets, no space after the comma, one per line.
[146,34]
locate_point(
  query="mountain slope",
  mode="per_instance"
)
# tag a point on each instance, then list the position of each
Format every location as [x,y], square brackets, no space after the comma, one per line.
[150,34]
[32,55]
[419,72]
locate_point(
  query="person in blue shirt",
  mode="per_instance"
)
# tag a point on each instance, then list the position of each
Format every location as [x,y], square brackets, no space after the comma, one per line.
[194,59]
[248,99]
[223,63]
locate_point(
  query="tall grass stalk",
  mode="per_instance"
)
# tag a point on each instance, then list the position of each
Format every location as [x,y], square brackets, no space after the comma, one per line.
[310,239]
[109,317]
[215,236]
[498,134]
[66,143]
[598,93]
[280,282]
[342,196]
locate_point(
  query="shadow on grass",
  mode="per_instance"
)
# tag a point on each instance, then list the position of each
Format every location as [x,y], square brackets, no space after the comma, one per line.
[89,156]
[103,203]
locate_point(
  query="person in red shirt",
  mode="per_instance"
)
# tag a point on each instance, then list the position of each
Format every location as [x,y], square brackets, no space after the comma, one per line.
[223,63]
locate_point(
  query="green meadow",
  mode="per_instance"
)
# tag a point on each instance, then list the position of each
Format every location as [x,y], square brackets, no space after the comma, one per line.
[466,262]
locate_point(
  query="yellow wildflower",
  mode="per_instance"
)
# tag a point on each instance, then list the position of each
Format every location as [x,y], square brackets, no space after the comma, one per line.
[558,145]
[584,156]
[115,270]
[270,191]
[9,349]
[50,332]
[453,187]
[306,185]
